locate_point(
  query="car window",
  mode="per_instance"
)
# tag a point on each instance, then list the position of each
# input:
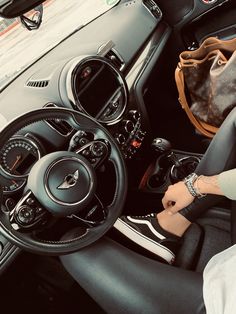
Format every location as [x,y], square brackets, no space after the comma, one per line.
[20,47]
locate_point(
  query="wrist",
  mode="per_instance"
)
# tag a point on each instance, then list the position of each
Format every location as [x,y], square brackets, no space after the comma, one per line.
[199,186]
[191,182]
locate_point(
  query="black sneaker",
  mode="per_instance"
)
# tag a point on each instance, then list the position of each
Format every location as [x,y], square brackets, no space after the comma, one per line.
[146,232]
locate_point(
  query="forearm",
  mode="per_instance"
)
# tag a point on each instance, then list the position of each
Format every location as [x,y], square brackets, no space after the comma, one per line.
[222,184]
[179,195]
[208,185]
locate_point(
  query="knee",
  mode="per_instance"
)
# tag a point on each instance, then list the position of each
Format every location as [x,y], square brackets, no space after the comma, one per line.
[231,116]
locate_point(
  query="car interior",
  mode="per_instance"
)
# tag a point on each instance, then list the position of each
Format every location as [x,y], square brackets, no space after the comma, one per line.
[104,101]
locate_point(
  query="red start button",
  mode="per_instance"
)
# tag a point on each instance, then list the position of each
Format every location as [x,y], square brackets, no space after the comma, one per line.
[136,143]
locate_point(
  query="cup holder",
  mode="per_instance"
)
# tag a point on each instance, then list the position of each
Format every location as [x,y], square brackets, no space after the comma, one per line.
[155,181]
[166,172]
[188,165]
[159,176]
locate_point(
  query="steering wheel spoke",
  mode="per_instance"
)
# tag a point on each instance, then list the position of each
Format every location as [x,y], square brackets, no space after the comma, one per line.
[28,214]
[93,215]
[96,152]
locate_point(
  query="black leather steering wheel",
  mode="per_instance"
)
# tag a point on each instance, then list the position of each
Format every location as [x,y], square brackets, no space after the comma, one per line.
[64,184]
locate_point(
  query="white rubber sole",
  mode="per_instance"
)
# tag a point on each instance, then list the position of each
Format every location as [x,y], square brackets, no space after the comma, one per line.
[145,242]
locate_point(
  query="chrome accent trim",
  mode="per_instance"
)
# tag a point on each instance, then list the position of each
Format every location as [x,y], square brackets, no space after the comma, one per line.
[69,181]
[144,3]
[120,58]
[46,176]
[182,159]
[104,49]
[69,89]
[33,143]
[14,225]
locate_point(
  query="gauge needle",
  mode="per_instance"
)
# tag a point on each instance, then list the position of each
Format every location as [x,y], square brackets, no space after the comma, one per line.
[18,158]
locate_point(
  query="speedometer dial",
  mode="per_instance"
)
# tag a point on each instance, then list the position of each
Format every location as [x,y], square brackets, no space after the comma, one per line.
[19,155]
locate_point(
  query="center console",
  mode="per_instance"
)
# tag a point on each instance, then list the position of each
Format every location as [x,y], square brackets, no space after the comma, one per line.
[169,167]
[130,133]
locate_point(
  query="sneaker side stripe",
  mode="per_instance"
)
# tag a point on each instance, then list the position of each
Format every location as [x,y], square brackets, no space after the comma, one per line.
[145,242]
[150,226]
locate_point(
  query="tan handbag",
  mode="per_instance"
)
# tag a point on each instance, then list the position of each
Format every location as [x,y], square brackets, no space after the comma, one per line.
[206,78]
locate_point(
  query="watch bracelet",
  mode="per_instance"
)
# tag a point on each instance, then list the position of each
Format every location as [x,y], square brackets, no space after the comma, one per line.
[189,183]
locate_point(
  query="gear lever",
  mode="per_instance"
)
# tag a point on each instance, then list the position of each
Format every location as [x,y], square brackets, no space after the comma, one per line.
[180,168]
[163,146]
[166,159]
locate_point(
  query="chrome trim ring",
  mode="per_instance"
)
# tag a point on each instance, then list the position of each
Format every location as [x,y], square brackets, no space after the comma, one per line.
[73,70]
[47,174]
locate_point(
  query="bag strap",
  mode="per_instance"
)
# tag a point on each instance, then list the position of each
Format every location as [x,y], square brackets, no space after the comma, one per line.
[204,128]
[208,45]
[213,43]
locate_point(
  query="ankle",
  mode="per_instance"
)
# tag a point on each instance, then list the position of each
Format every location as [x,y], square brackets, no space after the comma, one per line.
[163,222]
[175,225]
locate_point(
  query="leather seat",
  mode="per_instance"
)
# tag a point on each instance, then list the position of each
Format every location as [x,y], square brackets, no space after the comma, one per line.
[123,281]
[210,235]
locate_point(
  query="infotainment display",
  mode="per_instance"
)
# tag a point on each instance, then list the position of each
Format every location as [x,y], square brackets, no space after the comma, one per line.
[98,90]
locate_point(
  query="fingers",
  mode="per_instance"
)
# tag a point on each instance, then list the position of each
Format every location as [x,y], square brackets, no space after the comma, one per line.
[167,200]
[172,210]
[170,201]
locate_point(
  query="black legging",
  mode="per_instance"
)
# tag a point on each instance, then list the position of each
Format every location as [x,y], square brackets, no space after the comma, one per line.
[220,156]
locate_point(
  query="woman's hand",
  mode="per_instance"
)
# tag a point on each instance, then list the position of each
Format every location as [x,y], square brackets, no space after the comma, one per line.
[176,197]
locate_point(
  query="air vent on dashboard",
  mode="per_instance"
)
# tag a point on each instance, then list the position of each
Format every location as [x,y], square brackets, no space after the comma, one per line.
[38,84]
[61,126]
[115,59]
[153,8]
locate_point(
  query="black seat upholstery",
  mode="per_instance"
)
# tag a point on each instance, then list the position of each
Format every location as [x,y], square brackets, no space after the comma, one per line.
[123,281]
[210,235]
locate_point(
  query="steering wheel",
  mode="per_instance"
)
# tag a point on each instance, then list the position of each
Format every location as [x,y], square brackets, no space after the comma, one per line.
[63,185]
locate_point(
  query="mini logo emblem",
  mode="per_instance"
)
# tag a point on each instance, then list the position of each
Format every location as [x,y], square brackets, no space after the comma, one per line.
[69,181]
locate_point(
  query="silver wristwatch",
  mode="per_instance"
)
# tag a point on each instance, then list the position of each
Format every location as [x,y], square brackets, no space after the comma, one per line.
[189,181]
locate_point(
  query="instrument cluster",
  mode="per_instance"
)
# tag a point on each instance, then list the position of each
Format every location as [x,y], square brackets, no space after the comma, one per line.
[17,157]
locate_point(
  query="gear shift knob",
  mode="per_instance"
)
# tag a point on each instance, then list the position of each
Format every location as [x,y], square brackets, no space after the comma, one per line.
[161,145]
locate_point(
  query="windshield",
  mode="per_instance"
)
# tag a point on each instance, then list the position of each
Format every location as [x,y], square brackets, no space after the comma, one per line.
[21,47]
